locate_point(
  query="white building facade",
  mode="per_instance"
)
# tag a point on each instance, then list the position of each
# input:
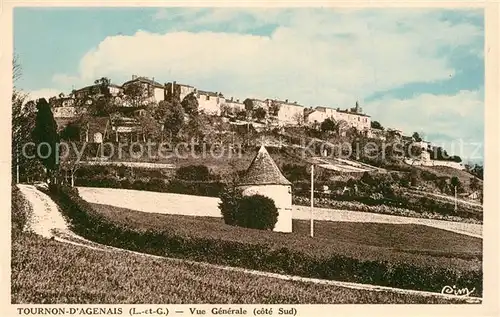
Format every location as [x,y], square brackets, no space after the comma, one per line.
[210,102]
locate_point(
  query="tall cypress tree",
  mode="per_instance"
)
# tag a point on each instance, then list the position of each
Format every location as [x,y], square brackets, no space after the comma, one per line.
[46,138]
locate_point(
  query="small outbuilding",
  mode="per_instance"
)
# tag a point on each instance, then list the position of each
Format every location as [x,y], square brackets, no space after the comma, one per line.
[264,178]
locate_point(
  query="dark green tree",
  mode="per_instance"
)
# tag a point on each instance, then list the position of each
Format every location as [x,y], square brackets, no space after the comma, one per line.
[136,94]
[328,125]
[249,105]
[174,119]
[477,170]
[413,151]
[474,184]
[443,185]
[455,182]
[71,132]
[259,114]
[241,115]
[151,128]
[415,177]
[190,104]
[46,138]
[376,125]
[102,86]
[416,137]
[159,112]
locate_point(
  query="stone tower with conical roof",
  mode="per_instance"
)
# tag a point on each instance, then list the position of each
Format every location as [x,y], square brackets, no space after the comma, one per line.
[264,178]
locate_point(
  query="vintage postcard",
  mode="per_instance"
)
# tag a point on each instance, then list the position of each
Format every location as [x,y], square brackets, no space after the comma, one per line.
[257,159]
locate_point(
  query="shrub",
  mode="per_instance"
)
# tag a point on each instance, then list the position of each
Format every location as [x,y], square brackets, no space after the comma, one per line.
[210,189]
[228,206]
[140,185]
[98,181]
[295,172]
[156,184]
[256,212]
[126,184]
[19,209]
[193,173]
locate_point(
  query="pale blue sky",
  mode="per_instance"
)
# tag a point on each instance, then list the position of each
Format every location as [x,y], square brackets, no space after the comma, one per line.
[417,70]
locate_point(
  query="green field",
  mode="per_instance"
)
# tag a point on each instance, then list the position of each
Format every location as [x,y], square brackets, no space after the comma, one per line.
[367,241]
[403,256]
[51,272]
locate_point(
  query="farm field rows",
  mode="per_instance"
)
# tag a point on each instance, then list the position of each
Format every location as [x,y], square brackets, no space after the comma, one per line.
[76,275]
[167,203]
[48,271]
[375,241]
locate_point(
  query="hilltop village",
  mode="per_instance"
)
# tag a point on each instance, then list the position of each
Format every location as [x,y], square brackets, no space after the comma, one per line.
[132,100]
[278,112]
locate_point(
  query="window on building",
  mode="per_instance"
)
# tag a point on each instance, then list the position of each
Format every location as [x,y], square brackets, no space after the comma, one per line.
[208,97]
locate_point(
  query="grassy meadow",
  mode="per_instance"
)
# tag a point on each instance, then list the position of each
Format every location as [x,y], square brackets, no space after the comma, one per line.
[404,256]
[50,272]
[410,243]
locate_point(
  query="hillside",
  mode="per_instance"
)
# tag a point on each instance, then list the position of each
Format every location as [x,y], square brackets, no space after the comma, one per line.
[448,172]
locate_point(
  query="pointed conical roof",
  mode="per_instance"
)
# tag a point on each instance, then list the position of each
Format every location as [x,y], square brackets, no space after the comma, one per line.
[263,171]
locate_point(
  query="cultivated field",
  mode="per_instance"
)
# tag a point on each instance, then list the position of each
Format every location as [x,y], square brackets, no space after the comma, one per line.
[52,272]
[329,236]
[166,203]
[411,257]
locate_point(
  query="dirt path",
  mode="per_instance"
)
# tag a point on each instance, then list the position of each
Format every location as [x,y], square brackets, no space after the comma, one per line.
[167,203]
[46,217]
[46,220]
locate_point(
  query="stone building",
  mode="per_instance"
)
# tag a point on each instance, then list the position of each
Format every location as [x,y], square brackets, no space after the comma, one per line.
[289,112]
[233,106]
[354,117]
[264,178]
[96,90]
[210,102]
[153,90]
[178,90]
[319,114]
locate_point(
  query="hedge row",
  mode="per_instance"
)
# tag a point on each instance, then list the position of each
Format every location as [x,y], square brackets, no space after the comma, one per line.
[355,205]
[259,256]
[177,186]
[20,209]
[420,205]
[188,173]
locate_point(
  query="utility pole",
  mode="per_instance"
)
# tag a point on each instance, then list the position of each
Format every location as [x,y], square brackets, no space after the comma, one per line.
[312,200]
[17,163]
[455,198]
